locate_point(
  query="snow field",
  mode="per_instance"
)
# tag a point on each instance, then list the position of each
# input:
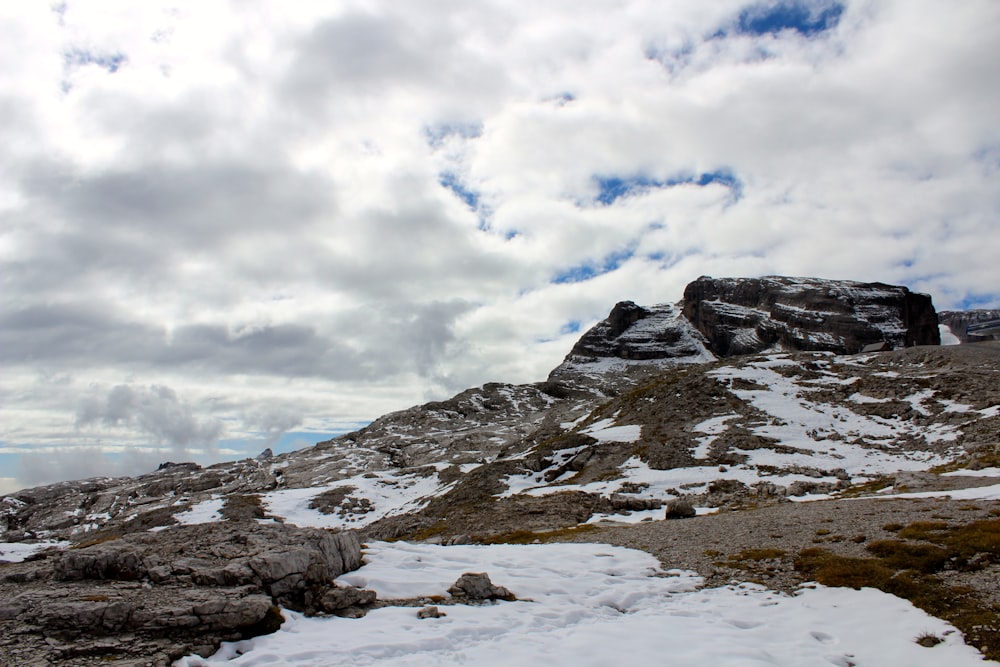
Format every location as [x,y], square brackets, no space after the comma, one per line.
[594,605]
[388,494]
[15,552]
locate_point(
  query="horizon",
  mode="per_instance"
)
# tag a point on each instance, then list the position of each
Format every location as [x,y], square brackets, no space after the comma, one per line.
[227,228]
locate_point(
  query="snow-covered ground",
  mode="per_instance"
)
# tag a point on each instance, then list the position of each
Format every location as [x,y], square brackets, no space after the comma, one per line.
[386,494]
[15,552]
[207,511]
[588,604]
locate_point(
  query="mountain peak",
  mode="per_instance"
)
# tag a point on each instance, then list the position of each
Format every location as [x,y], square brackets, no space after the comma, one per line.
[724,317]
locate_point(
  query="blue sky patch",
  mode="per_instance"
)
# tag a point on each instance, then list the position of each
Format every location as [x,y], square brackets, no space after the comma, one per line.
[110,62]
[583,272]
[612,188]
[452,182]
[805,18]
[979,302]
[571,327]
[438,134]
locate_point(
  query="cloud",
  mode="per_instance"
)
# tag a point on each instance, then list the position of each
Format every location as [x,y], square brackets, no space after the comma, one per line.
[300,218]
[153,411]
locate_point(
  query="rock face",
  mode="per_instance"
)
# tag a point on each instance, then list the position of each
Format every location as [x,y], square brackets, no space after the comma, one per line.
[750,315]
[636,334]
[172,592]
[958,320]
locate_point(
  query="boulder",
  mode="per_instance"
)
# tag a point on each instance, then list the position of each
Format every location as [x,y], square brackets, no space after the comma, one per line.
[678,508]
[477,586]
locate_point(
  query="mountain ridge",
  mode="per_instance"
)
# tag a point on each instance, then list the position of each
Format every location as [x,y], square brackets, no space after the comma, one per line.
[642,413]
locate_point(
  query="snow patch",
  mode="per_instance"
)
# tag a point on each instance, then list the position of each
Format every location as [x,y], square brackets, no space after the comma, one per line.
[594,605]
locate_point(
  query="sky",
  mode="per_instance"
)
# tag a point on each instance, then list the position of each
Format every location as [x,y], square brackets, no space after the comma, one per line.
[229,226]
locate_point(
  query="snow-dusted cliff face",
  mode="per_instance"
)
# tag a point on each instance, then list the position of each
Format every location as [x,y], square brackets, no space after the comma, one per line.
[750,315]
[724,317]
[634,335]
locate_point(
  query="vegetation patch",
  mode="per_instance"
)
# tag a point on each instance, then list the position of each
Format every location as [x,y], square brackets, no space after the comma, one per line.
[906,568]
[243,508]
[867,488]
[758,554]
[901,555]
[530,536]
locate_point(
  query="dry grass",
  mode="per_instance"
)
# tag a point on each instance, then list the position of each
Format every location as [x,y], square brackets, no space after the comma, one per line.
[530,536]
[906,568]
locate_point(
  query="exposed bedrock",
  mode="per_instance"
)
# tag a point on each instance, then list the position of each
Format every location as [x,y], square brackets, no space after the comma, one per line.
[172,592]
[750,315]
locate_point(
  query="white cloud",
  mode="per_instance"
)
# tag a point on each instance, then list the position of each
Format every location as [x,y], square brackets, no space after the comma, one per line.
[268,210]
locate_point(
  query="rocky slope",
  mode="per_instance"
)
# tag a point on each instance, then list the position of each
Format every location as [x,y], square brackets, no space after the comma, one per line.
[748,392]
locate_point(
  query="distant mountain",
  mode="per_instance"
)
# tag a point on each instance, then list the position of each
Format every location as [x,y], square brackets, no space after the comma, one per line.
[749,391]
[958,322]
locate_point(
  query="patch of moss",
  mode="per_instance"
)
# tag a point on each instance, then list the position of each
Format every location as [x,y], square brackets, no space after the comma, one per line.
[923,530]
[901,555]
[867,488]
[243,508]
[906,569]
[433,530]
[758,554]
[530,536]
[830,569]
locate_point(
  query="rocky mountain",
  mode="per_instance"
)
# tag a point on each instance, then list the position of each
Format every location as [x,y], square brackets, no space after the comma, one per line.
[958,321]
[748,392]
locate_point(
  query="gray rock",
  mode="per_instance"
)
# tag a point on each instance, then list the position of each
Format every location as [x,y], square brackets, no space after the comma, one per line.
[678,508]
[477,586]
[189,586]
[430,611]
[750,315]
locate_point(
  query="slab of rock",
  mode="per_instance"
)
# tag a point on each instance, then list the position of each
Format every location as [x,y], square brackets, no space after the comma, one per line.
[181,590]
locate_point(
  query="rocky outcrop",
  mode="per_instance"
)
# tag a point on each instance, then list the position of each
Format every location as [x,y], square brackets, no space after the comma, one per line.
[636,336]
[476,586]
[172,592]
[634,332]
[750,315]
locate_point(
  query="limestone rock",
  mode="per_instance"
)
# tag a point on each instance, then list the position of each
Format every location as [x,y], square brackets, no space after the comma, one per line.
[430,611]
[188,587]
[749,315]
[477,586]
[678,508]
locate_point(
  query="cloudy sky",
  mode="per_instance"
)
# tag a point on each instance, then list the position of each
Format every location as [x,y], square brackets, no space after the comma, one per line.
[232,225]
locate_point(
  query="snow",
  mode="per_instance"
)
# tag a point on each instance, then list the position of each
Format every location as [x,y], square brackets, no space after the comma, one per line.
[207,511]
[947,337]
[659,484]
[711,428]
[627,433]
[15,552]
[588,605]
[826,434]
[982,472]
[976,493]
[640,516]
[388,493]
